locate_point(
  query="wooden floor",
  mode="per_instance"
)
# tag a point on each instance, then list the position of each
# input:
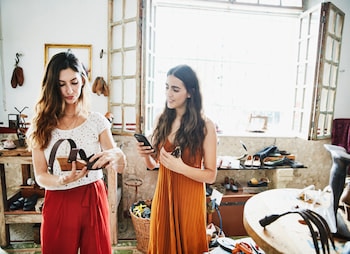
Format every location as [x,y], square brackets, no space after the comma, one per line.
[126,243]
[123,247]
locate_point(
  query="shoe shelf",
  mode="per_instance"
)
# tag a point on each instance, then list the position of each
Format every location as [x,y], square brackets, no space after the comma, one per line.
[20,216]
[22,157]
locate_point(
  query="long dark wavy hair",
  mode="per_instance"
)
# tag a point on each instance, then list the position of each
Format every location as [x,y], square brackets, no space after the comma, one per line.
[50,106]
[192,128]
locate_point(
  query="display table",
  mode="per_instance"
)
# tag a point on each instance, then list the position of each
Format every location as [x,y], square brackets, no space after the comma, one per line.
[286,234]
[23,157]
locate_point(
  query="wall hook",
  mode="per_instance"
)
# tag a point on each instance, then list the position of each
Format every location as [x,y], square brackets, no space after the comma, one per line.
[101,53]
[18,55]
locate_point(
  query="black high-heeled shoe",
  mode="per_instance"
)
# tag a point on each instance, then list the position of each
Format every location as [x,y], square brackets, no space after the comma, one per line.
[266,151]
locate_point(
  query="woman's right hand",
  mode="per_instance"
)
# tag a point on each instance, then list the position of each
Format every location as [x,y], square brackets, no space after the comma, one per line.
[143,150]
[74,175]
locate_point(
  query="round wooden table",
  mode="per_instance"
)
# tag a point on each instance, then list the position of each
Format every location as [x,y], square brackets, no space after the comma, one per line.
[286,234]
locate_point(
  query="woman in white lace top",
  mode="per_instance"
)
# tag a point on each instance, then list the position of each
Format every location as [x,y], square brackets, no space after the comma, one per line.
[75,211]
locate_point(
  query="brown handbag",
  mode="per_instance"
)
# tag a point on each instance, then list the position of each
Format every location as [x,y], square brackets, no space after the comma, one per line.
[66,162]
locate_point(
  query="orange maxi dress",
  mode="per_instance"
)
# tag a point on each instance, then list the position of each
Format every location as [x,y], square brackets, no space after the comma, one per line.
[178,217]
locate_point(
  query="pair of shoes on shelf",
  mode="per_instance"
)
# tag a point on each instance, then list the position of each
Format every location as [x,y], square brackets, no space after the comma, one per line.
[30,202]
[230,184]
[27,204]
[18,204]
[252,162]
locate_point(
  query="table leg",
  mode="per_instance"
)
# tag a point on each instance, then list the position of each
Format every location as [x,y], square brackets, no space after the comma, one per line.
[112,184]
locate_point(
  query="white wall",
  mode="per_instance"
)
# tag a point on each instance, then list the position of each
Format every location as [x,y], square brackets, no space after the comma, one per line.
[28,25]
[342,104]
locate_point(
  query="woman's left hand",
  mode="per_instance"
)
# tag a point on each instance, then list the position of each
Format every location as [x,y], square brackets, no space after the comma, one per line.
[112,158]
[170,162]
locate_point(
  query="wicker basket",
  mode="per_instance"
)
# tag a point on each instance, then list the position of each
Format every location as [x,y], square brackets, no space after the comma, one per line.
[141,226]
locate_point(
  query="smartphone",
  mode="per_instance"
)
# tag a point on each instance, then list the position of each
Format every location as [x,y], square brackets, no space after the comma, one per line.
[142,138]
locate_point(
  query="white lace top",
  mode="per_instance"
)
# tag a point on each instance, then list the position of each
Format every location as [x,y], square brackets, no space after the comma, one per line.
[86,136]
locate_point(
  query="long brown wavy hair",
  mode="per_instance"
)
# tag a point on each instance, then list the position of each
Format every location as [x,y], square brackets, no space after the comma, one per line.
[50,106]
[192,128]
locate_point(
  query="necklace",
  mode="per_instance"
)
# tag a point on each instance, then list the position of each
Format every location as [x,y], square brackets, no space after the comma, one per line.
[68,125]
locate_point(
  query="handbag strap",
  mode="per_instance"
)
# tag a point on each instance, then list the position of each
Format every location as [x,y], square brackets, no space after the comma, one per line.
[72,154]
[73,147]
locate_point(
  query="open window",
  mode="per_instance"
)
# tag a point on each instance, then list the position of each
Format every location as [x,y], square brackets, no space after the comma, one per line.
[124,64]
[320,38]
[134,77]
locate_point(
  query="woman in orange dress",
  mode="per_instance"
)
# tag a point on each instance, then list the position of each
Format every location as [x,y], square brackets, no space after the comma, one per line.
[184,146]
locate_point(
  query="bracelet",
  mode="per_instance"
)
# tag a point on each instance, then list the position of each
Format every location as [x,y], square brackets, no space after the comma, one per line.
[61,180]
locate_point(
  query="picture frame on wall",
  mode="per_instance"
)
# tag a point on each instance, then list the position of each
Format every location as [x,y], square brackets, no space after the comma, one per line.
[82,51]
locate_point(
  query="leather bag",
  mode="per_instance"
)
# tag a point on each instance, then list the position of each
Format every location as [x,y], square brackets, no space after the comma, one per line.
[66,162]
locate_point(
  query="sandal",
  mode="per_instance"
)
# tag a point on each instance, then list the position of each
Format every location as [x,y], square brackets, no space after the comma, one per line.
[262,183]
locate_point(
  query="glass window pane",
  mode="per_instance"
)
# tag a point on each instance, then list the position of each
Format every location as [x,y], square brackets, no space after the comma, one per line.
[339,25]
[130,91]
[297,121]
[247,1]
[270,2]
[329,48]
[323,101]
[331,22]
[295,3]
[331,97]
[314,24]
[131,8]
[117,34]
[130,34]
[130,62]
[118,117]
[301,75]
[302,50]
[117,63]
[310,73]
[334,76]
[116,91]
[336,51]
[326,74]
[117,10]
[130,118]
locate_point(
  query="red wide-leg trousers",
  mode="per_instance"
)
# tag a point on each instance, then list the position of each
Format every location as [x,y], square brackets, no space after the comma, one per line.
[76,219]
